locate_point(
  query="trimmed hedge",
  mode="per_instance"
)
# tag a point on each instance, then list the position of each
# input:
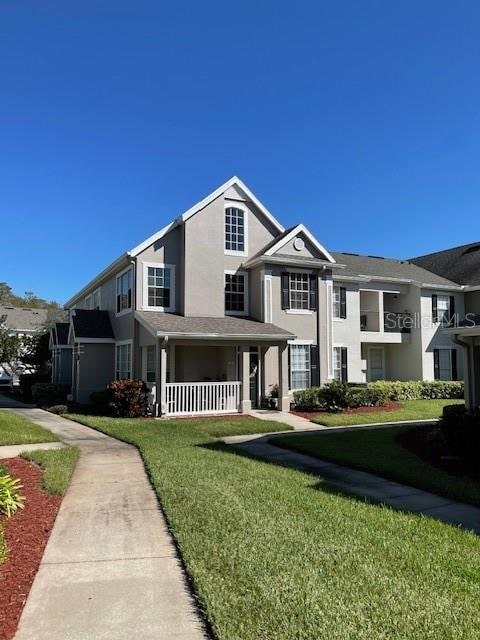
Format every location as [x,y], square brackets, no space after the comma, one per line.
[128,398]
[335,395]
[49,392]
[461,430]
[421,389]
[27,380]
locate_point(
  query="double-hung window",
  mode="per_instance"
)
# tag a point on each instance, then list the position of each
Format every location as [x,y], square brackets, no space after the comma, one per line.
[299,291]
[159,287]
[236,293]
[123,361]
[92,301]
[445,364]
[299,366]
[339,303]
[235,230]
[443,309]
[124,291]
[340,364]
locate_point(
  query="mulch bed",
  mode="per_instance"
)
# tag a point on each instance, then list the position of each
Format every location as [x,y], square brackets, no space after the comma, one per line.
[390,406]
[26,534]
[427,443]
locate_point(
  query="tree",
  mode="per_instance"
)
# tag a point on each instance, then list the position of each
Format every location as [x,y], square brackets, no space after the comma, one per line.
[35,352]
[10,348]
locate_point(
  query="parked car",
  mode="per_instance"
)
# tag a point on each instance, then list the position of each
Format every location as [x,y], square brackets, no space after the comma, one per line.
[6,380]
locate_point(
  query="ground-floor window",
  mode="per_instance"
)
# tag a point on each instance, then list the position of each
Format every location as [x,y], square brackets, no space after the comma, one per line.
[123,361]
[299,366]
[340,364]
[445,364]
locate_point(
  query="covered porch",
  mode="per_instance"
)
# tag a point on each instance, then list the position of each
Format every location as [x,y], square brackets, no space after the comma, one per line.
[207,366]
[467,335]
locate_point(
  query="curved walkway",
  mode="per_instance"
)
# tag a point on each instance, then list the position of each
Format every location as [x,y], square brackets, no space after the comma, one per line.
[110,569]
[363,484]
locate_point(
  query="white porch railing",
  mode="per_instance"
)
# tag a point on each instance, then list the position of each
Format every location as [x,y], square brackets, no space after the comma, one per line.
[201,398]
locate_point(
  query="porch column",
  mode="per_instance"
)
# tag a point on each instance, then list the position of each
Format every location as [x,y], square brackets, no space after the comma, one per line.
[161,377]
[245,402]
[283,396]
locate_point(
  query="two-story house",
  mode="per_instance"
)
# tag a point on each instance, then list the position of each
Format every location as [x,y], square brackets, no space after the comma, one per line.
[223,304]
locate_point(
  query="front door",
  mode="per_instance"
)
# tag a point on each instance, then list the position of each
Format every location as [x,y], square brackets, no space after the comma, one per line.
[254,378]
[376,364]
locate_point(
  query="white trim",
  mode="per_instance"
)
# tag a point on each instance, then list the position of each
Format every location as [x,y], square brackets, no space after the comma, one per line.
[267,298]
[241,207]
[329,328]
[246,300]
[295,341]
[300,228]
[132,301]
[91,295]
[300,343]
[94,340]
[313,263]
[300,312]
[119,343]
[158,265]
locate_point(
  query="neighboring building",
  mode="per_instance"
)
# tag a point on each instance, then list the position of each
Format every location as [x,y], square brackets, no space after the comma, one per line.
[224,303]
[22,320]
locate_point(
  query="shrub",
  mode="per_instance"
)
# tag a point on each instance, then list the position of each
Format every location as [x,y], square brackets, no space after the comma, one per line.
[58,409]
[101,401]
[128,398]
[307,399]
[420,389]
[334,396]
[27,380]
[10,498]
[461,430]
[49,393]
[369,396]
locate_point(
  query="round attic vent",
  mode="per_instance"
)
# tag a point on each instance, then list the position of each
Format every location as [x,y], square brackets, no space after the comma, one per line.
[298,243]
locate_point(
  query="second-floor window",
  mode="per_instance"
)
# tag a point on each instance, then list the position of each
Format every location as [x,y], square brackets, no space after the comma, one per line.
[339,303]
[236,293]
[299,291]
[92,301]
[124,291]
[443,308]
[235,230]
[159,287]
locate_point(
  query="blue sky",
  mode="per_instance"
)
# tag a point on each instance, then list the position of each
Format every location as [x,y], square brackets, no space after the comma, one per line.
[360,119]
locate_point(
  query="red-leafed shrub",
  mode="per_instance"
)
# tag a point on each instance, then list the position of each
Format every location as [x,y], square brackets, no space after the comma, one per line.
[128,398]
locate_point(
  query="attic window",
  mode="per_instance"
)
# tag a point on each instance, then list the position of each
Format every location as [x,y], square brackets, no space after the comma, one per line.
[235,231]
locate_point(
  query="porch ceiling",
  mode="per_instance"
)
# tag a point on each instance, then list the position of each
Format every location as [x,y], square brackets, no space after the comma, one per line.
[227,328]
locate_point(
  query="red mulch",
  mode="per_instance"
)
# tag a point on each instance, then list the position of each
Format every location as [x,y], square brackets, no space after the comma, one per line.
[26,534]
[390,406]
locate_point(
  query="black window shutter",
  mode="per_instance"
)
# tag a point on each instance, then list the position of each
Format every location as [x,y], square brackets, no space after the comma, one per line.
[434,308]
[436,364]
[289,369]
[118,303]
[314,368]
[285,290]
[343,302]
[312,302]
[454,365]
[343,353]
[451,310]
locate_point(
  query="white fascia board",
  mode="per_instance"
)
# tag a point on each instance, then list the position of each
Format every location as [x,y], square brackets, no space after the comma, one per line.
[218,192]
[153,238]
[93,284]
[300,228]
[224,336]
[314,263]
[94,340]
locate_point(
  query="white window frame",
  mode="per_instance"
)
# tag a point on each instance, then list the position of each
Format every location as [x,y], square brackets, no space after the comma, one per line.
[446,312]
[336,300]
[300,343]
[158,265]
[294,310]
[236,205]
[337,348]
[238,272]
[122,343]
[450,361]
[122,312]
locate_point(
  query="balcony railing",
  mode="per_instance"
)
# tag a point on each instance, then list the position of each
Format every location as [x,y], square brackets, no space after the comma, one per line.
[393,322]
[202,398]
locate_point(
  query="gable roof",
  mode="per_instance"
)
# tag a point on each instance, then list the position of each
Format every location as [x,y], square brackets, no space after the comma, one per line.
[126,257]
[23,319]
[460,264]
[234,181]
[367,267]
[289,234]
[91,324]
[60,332]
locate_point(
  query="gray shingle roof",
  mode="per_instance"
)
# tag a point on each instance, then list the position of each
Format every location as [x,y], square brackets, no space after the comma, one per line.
[61,332]
[460,264]
[92,324]
[229,326]
[388,268]
[21,319]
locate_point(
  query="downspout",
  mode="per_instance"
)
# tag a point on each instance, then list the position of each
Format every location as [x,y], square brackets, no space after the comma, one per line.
[470,391]
[135,322]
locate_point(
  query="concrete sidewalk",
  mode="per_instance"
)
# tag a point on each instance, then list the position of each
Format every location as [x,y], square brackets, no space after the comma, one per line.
[110,569]
[14,450]
[362,484]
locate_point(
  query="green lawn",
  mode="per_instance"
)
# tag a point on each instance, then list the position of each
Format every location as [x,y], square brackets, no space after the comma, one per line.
[275,554]
[15,429]
[379,451]
[57,466]
[410,410]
